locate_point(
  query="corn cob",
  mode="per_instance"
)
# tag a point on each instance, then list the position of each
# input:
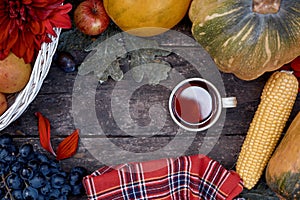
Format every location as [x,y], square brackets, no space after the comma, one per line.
[276,103]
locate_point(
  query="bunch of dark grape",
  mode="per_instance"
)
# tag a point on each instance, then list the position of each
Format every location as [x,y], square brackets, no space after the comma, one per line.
[30,175]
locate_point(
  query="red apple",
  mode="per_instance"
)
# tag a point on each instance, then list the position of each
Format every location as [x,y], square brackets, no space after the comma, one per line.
[91,18]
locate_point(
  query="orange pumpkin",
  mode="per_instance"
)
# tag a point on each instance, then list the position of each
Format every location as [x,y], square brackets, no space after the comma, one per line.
[146,17]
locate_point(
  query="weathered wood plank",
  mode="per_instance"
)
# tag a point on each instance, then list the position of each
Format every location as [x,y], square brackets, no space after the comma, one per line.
[56,104]
[92,155]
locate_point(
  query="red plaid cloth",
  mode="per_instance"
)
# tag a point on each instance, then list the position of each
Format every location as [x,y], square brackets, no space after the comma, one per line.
[186,177]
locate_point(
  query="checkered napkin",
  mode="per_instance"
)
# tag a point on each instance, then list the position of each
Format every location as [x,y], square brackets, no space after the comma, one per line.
[185,178]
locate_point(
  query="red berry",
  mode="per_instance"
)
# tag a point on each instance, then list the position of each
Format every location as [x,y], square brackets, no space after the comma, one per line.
[297,74]
[295,64]
[286,67]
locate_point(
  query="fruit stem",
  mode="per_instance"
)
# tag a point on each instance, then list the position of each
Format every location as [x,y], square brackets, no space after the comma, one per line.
[266,6]
[7,189]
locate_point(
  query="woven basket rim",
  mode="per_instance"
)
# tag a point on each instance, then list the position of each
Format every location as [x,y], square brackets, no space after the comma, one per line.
[39,72]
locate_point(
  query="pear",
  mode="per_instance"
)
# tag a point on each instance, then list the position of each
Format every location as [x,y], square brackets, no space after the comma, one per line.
[3,103]
[14,74]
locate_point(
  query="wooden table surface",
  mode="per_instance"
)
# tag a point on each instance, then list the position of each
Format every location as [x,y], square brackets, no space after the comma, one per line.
[55,102]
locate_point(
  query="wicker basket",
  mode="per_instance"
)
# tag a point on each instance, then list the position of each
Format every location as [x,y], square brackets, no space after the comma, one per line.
[20,101]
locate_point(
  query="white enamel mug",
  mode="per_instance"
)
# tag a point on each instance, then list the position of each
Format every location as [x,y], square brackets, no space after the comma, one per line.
[195,104]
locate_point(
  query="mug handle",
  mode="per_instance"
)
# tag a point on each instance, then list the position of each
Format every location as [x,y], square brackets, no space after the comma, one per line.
[229,102]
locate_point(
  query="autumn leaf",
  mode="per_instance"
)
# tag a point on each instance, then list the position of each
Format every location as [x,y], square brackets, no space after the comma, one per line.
[68,146]
[65,149]
[44,132]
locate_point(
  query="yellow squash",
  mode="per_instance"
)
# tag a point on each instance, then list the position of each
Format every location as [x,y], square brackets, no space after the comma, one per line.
[283,171]
[146,17]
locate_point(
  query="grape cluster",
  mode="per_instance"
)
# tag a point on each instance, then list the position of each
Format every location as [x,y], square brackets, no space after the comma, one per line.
[30,175]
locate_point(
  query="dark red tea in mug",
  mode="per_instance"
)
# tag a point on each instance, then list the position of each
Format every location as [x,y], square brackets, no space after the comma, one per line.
[194,103]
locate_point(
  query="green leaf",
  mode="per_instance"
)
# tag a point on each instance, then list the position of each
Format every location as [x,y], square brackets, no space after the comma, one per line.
[114,71]
[141,56]
[144,64]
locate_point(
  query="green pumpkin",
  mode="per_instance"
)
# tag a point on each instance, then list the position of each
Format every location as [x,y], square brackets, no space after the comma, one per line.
[247,37]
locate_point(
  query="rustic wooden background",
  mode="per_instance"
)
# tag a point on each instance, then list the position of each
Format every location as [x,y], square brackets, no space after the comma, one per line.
[55,102]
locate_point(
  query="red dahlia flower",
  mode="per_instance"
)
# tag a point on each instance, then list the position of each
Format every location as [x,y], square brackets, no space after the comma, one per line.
[26,24]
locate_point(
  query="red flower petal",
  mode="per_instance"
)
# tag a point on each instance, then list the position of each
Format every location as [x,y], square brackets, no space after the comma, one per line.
[44,132]
[3,54]
[40,3]
[29,55]
[41,13]
[65,9]
[13,38]
[25,25]
[68,146]
[60,17]
[35,27]
[62,21]
[49,28]
[54,4]
[19,47]
[5,30]
[26,2]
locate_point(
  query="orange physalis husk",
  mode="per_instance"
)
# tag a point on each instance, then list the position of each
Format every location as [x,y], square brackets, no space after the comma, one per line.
[68,146]
[44,132]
